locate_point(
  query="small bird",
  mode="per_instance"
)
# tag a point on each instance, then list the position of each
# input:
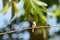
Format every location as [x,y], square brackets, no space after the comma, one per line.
[33,26]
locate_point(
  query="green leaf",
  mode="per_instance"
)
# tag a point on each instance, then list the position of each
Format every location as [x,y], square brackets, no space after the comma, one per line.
[15,9]
[38,11]
[44,9]
[16,0]
[40,3]
[44,32]
[35,18]
[27,6]
[5,9]
[56,12]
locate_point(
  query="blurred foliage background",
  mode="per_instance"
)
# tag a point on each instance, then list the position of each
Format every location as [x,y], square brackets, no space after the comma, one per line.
[33,10]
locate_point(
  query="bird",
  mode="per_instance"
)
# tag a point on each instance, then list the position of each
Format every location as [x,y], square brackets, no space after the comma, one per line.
[33,26]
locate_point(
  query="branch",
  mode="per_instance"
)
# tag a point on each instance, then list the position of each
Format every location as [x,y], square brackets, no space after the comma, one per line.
[20,29]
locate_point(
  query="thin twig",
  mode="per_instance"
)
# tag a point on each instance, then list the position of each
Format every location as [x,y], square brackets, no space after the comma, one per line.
[20,29]
[8,32]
